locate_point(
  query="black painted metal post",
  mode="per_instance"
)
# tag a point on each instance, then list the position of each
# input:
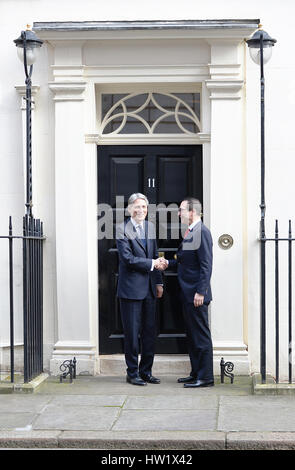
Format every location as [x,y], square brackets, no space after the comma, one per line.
[11,302]
[28,130]
[259,39]
[34,291]
[31,306]
[290,349]
[25,297]
[222,364]
[277,322]
[262,226]
[37,262]
[41,298]
[32,233]
[74,365]
[27,243]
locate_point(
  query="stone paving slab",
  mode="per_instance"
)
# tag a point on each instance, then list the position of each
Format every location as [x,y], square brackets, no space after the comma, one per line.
[23,403]
[257,413]
[166,420]
[83,417]
[172,403]
[88,400]
[116,385]
[15,420]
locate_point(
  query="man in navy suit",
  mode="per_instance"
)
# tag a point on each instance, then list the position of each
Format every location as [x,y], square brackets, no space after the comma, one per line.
[194,268]
[139,284]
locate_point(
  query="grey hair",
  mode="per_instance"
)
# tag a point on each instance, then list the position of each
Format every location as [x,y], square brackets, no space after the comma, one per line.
[135,196]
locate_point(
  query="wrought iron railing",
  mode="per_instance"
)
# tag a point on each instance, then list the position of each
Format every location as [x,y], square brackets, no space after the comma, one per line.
[32,246]
[276,243]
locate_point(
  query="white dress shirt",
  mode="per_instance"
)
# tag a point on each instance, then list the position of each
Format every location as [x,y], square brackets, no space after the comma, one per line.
[191,226]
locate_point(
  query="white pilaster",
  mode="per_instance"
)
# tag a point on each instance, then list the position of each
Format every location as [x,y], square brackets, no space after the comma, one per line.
[76,309]
[226,203]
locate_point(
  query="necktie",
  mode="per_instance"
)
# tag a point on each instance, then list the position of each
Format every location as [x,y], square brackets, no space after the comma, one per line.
[186,233]
[140,231]
[141,235]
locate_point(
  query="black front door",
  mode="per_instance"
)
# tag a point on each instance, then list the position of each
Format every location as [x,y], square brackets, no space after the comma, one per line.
[166,175]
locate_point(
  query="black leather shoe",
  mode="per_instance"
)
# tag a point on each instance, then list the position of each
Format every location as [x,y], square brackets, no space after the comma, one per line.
[199,383]
[185,380]
[135,380]
[150,379]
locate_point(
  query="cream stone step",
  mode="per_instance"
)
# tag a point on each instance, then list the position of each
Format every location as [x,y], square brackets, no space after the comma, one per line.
[114,364]
[170,364]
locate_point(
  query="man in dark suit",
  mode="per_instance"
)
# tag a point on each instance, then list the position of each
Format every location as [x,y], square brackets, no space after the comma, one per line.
[139,284]
[194,268]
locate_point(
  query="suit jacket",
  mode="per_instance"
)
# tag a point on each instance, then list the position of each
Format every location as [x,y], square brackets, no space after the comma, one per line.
[194,263]
[135,262]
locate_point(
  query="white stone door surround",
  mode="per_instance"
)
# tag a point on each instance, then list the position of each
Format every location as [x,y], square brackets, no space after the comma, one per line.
[74,88]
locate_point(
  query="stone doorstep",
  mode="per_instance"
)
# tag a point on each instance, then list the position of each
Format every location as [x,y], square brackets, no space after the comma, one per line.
[19,387]
[114,364]
[271,387]
[164,440]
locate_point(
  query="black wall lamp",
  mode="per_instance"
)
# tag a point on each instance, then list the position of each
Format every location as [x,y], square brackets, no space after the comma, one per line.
[260,47]
[28,46]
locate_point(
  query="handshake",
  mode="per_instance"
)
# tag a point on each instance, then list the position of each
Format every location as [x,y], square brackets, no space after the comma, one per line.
[161,264]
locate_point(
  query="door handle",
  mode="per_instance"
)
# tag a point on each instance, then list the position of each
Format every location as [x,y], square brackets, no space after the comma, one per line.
[153,182]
